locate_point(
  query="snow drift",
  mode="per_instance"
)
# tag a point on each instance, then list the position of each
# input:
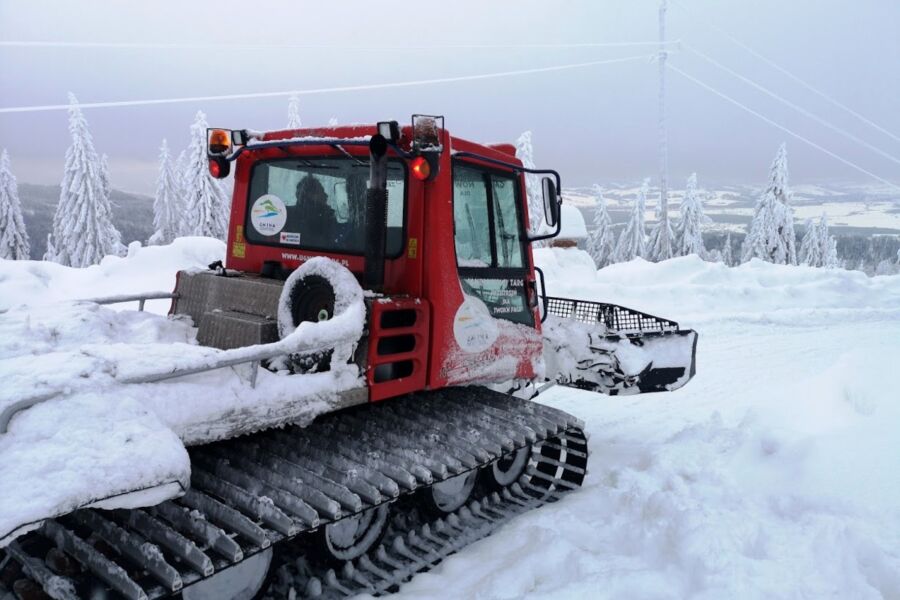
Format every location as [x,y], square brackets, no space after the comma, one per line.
[98,440]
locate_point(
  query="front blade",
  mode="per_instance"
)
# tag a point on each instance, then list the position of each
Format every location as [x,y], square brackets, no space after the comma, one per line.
[589,357]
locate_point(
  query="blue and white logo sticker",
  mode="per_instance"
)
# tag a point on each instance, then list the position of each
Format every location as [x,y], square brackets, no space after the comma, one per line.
[268,214]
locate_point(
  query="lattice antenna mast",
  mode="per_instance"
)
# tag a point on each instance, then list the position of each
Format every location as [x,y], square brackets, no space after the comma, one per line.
[664,243]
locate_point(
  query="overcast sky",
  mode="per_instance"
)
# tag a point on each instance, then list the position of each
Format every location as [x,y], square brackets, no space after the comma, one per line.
[594,124]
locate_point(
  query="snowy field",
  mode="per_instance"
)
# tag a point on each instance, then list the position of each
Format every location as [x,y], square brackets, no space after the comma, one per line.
[774,473]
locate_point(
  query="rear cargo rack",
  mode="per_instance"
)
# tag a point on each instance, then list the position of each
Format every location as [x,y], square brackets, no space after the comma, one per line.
[614,317]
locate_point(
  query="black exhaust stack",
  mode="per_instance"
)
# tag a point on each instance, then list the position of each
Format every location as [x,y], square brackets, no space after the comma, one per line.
[376,214]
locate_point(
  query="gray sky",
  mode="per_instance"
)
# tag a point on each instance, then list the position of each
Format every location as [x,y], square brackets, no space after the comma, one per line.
[594,124]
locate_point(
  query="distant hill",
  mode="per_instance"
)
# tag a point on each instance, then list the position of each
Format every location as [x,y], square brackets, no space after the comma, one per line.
[132,214]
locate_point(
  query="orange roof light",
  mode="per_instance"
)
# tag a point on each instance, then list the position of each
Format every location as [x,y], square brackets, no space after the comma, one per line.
[218,142]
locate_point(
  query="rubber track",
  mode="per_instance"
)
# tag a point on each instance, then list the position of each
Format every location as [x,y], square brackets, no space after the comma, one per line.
[255,491]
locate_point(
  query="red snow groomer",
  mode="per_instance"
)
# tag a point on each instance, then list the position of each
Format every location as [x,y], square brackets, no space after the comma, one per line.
[435,444]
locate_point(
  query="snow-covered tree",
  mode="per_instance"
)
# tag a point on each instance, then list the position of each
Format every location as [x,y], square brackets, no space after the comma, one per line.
[165,203]
[662,243]
[690,229]
[601,241]
[13,237]
[771,236]
[533,189]
[811,245]
[727,254]
[83,231]
[633,241]
[818,247]
[333,122]
[105,187]
[206,205]
[294,112]
[828,246]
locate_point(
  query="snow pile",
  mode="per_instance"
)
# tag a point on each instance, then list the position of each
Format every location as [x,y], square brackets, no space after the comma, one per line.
[100,438]
[695,291]
[149,269]
[773,474]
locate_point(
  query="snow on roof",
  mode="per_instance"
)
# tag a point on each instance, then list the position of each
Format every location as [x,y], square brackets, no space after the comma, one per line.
[573,227]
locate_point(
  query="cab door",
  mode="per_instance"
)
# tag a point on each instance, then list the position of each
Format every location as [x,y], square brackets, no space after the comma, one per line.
[490,240]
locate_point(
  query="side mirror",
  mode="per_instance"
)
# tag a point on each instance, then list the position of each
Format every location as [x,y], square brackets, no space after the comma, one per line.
[551,201]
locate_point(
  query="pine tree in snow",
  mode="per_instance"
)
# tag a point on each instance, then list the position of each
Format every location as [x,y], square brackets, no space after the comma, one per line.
[50,252]
[83,232]
[294,112]
[771,236]
[13,237]
[533,189]
[689,232]
[632,242]
[105,188]
[811,245]
[662,243]
[165,204]
[206,205]
[601,242]
[828,245]
[333,122]
[727,254]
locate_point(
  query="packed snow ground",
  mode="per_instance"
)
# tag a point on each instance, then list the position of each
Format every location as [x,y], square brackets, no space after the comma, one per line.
[774,473]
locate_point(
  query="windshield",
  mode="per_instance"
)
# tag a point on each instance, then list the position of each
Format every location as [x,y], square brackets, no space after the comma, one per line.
[319,204]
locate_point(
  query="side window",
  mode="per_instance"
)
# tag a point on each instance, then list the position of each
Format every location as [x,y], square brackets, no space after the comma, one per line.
[470,215]
[506,223]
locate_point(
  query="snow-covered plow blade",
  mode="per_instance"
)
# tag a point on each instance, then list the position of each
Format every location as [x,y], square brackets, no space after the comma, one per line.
[615,350]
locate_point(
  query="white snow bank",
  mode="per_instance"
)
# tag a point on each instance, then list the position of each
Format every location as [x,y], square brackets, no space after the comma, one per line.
[149,269]
[691,290]
[572,225]
[100,438]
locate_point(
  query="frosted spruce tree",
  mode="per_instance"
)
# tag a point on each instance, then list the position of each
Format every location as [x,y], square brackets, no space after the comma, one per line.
[811,245]
[828,245]
[83,231]
[633,241]
[13,237]
[771,236]
[601,241]
[689,233]
[662,243]
[206,205]
[105,188]
[727,253]
[294,113]
[525,153]
[166,202]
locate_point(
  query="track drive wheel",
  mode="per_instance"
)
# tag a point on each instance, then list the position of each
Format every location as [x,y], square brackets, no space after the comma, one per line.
[247,580]
[448,495]
[506,470]
[351,537]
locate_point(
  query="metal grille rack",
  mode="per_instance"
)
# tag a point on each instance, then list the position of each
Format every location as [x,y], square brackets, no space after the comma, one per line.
[614,317]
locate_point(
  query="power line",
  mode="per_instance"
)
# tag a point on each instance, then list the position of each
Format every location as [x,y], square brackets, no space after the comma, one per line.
[785,72]
[790,104]
[348,88]
[219,46]
[782,127]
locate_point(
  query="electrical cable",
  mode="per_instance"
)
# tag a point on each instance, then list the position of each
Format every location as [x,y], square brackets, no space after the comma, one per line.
[337,89]
[782,127]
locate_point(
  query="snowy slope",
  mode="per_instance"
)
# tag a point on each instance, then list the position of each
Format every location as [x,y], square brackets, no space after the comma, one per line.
[773,474]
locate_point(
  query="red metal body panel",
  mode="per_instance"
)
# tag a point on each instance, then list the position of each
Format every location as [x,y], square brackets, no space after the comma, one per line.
[423,278]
